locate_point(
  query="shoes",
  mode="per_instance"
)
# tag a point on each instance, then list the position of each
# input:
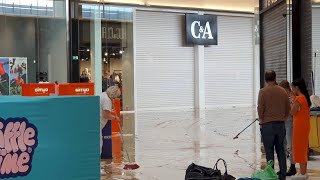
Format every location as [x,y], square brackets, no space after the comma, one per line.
[300,177]
[292,171]
[103,172]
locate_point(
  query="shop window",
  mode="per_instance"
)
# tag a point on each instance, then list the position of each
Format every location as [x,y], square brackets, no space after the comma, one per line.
[112,47]
[33,37]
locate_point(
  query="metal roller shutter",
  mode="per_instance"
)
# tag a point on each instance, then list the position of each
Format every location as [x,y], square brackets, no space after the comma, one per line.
[229,66]
[274,40]
[316,46]
[164,65]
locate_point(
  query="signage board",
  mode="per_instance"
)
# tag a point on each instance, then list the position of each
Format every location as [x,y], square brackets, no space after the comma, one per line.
[44,89]
[76,89]
[201,29]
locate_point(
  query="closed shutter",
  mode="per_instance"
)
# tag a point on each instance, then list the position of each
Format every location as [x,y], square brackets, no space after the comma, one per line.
[274,40]
[229,68]
[316,46]
[164,65]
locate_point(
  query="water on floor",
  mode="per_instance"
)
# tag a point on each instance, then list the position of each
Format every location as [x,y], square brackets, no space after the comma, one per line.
[165,143]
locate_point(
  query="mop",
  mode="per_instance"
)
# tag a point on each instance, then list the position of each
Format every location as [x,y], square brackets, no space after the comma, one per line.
[237,136]
[129,166]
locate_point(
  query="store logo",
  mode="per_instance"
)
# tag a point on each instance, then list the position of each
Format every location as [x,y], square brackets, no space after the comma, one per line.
[203,32]
[18,141]
[41,90]
[201,29]
[82,90]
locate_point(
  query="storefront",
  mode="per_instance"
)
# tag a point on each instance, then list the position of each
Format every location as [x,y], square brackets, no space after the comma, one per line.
[143,47]
[34,43]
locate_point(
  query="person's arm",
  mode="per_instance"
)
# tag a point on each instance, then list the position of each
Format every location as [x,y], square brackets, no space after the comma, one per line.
[107,115]
[261,106]
[295,108]
[288,109]
[107,108]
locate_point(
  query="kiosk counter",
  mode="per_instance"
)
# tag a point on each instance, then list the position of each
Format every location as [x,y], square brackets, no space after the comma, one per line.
[49,138]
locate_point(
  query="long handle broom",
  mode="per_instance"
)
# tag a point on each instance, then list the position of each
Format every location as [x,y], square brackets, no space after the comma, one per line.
[130,165]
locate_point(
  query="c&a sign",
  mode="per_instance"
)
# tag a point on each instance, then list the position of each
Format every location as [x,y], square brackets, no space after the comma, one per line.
[201,29]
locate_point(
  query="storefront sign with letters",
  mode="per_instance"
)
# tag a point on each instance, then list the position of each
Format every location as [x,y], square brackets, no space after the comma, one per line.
[201,29]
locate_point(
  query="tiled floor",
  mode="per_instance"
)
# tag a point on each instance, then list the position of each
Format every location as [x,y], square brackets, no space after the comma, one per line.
[165,143]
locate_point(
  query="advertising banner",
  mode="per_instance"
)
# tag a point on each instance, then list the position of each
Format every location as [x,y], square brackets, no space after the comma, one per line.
[4,76]
[76,89]
[49,138]
[45,89]
[18,74]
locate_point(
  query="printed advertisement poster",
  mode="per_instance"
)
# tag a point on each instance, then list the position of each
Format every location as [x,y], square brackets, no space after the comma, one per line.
[18,74]
[4,76]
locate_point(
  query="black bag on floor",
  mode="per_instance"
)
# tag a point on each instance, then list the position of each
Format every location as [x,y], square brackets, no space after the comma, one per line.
[196,172]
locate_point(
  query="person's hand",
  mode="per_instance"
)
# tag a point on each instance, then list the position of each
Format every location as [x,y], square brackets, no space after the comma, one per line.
[117,119]
[292,97]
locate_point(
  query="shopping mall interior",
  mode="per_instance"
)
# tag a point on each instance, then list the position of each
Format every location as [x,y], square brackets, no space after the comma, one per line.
[171,82]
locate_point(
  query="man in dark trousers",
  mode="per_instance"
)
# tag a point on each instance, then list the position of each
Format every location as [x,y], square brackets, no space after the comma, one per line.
[273,109]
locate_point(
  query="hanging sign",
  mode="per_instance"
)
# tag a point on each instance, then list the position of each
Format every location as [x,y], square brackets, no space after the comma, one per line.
[201,29]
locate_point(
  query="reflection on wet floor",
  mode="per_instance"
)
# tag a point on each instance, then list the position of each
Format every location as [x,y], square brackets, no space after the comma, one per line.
[165,143]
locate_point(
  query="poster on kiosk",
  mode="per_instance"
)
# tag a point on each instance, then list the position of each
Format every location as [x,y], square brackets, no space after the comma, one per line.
[13,74]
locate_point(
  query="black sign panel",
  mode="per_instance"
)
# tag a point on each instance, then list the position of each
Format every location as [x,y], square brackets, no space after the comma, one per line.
[201,29]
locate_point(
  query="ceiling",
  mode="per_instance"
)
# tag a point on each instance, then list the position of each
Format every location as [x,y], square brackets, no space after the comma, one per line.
[221,5]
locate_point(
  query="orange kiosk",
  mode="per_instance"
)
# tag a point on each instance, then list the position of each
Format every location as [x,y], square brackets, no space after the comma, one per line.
[44,89]
[76,89]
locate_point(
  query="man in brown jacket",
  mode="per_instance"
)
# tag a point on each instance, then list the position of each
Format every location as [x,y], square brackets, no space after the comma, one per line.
[273,110]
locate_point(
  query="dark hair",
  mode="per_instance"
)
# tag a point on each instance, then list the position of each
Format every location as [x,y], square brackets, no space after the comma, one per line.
[285,84]
[301,84]
[270,76]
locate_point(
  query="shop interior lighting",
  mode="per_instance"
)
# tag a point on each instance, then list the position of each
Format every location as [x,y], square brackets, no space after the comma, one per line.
[106,54]
[121,52]
[88,50]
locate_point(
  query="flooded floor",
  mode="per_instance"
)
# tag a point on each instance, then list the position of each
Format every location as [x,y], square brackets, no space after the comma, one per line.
[165,143]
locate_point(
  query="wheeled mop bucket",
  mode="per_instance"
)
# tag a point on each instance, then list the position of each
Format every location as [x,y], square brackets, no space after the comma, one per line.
[314,137]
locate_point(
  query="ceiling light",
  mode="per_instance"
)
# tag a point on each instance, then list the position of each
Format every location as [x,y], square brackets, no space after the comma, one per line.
[88,50]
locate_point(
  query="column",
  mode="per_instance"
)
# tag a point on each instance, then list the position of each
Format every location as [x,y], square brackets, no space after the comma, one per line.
[96,49]
[200,92]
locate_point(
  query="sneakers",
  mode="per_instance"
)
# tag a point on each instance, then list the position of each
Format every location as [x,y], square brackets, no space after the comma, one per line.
[292,171]
[300,177]
[103,172]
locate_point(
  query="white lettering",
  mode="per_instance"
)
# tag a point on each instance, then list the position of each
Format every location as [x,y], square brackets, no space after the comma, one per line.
[207,31]
[41,90]
[193,25]
[104,33]
[82,90]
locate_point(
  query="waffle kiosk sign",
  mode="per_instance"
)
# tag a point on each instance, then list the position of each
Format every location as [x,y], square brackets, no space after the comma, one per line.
[18,141]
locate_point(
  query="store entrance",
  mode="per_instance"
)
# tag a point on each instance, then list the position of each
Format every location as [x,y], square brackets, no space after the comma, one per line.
[114,46]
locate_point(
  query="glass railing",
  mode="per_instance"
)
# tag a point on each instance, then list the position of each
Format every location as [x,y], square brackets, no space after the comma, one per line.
[34,8]
[107,12]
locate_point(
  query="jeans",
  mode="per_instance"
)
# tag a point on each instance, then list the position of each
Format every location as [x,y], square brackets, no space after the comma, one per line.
[288,141]
[273,137]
